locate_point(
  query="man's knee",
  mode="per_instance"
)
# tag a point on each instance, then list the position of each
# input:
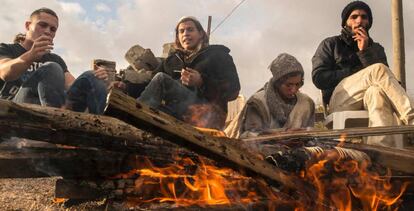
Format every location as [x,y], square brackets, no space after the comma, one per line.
[88,79]
[374,95]
[161,77]
[379,69]
[88,75]
[374,91]
[52,69]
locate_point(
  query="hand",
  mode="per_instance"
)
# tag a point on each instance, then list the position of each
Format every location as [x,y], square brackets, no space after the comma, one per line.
[41,46]
[100,72]
[191,77]
[361,37]
[118,84]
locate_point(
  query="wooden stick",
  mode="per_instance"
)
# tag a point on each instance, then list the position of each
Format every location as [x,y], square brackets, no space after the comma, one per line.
[209,27]
[348,133]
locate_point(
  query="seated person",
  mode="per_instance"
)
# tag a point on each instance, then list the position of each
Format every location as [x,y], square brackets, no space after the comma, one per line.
[32,74]
[90,89]
[196,76]
[278,106]
[352,72]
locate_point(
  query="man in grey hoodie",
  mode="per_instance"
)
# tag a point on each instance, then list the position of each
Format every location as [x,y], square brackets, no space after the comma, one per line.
[278,106]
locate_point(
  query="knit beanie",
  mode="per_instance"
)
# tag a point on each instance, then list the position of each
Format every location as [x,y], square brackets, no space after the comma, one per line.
[353,6]
[283,65]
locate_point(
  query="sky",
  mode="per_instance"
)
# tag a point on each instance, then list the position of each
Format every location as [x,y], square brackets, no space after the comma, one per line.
[256,32]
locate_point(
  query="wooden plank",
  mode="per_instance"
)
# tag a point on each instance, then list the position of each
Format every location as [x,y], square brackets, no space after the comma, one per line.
[60,126]
[69,163]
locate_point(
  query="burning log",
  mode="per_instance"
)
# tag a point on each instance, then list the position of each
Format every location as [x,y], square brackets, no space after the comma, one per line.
[340,174]
[181,186]
[221,149]
[396,159]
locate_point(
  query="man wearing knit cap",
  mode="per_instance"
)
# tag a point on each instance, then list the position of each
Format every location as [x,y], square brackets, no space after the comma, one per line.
[352,72]
[278,106]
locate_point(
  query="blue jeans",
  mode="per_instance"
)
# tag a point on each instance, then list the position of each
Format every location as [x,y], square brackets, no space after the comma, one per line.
[87,91]
[176,96]
[45,86]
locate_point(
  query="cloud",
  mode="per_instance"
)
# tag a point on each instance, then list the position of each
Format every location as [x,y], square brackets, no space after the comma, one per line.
[72,7]
[256,32]
[101,7]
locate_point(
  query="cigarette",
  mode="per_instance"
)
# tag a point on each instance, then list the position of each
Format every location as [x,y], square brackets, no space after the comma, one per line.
[177,71]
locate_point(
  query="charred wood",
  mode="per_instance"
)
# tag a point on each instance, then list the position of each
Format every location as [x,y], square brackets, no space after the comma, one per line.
[64,127]
[69,163]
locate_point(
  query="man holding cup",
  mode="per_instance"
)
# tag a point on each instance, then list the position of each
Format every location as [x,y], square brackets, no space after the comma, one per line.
[32,74]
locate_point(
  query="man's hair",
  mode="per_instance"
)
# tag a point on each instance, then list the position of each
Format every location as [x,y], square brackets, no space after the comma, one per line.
[198,26]
[20,37]
[44,10]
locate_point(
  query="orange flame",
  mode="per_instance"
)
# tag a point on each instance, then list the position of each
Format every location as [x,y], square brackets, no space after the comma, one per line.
[190,183]
[208,185]
[59,200]
[341,180]
[341,183]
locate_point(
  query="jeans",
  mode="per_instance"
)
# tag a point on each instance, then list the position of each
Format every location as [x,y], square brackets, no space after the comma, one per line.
[177,97]
[45,86]
[87,91]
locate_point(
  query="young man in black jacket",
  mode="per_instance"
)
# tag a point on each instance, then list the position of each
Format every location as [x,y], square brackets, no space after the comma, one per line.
[196,81]
[352,72]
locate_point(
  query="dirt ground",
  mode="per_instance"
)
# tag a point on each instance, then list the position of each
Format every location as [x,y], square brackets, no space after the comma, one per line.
[36,194]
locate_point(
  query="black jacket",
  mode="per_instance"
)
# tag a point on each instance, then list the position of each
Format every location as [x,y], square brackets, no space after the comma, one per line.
[339,57]
[220,80]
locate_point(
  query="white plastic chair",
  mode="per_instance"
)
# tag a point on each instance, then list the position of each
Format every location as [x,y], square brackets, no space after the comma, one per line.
[347,119]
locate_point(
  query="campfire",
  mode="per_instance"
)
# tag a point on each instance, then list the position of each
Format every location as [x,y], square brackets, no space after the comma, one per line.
[341,183]
[152,161]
